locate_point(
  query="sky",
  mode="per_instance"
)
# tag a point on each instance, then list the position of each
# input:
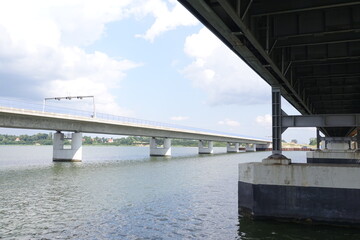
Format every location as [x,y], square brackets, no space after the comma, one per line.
[146,59]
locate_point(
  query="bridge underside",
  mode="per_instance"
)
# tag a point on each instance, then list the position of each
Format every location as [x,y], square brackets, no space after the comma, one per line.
[309,53]
[310,49]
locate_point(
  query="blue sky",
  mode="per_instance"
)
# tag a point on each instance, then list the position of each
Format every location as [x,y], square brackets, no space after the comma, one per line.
[148,59]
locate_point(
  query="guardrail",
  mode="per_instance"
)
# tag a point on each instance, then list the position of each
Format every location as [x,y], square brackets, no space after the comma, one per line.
[20,104]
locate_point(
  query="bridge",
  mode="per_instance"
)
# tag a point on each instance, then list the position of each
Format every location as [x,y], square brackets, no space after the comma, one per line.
[309,53]
[83,122]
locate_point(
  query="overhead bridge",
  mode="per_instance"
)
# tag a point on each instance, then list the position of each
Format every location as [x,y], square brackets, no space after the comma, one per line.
[160,134]
[309,53]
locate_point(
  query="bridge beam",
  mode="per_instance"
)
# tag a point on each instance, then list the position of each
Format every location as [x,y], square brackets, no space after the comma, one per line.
[159,147]
[232,147]
[62,154]
[206,147]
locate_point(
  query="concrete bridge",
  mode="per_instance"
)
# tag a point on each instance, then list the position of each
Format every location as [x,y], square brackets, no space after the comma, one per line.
[160,133]
[309,53]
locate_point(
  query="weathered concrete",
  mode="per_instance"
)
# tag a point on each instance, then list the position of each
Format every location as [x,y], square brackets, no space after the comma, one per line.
[311,192]
[232,147]
[333,156]
[276,159]
[73,154]
[206,147]
[163,149]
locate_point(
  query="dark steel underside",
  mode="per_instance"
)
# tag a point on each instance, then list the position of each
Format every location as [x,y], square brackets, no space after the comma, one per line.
[310,49]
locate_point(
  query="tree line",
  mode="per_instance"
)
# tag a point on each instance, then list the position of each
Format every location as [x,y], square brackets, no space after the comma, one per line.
[47,139]
[40,139]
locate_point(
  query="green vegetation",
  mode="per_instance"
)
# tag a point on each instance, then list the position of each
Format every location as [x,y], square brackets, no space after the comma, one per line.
[46,139]
[312,141]
[37,139]
[125,141]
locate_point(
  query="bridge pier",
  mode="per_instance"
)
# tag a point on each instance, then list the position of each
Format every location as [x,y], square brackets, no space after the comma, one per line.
[232,147]
[263,147]
[337,151]
[321,190]
[250,147]
[159,148]
[206,147]
[62,154]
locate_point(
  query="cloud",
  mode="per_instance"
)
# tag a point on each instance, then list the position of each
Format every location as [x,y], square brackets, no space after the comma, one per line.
[41,46]
[265,120]
[221,74]
[179,118]
[229,122]
[168,16]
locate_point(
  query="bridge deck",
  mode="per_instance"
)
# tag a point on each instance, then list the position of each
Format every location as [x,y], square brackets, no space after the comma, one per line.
[30,119]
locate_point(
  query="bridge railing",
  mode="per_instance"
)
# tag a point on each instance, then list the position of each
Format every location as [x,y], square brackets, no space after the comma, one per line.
[35,106]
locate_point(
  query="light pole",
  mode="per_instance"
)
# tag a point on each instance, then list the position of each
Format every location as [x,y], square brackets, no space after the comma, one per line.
[69,98]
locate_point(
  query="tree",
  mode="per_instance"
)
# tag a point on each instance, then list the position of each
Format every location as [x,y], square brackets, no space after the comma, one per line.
[312,141]
[294,141]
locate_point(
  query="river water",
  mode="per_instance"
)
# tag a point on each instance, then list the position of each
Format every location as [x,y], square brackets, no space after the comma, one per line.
[122,193]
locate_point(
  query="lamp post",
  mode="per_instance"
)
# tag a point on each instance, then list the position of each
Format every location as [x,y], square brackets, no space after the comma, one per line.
[69,98]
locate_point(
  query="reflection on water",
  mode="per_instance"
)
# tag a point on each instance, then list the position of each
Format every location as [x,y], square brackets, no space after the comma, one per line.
[121,193]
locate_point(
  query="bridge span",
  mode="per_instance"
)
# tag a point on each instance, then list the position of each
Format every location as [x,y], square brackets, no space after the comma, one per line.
[160,134]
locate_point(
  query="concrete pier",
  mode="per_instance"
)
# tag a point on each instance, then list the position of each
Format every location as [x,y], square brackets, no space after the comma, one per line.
[72,154]
[250,148]
[232,147]
[335,152]
[159,147]
[300,192]
[264,147]
[206,147]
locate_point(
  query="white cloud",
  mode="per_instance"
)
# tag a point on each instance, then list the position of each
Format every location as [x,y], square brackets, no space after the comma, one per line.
[168,16]
[221,74]
[265,120]
[41,54]
[179,118]
[41,46]
[229,122]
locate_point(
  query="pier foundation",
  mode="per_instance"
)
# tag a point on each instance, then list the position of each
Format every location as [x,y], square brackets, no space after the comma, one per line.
[63,154]
[232,147]
[250,147]
[326,189]
[335,152]
[206,147]
[326,193]
[159,147]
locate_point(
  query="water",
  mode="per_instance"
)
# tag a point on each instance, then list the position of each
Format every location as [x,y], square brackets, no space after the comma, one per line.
[121,193]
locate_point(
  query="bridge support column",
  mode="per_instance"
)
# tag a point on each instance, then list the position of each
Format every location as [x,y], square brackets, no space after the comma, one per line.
[232,147]
[206,147]
[276,157]
[73,154]
[250,147]
[159,147]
